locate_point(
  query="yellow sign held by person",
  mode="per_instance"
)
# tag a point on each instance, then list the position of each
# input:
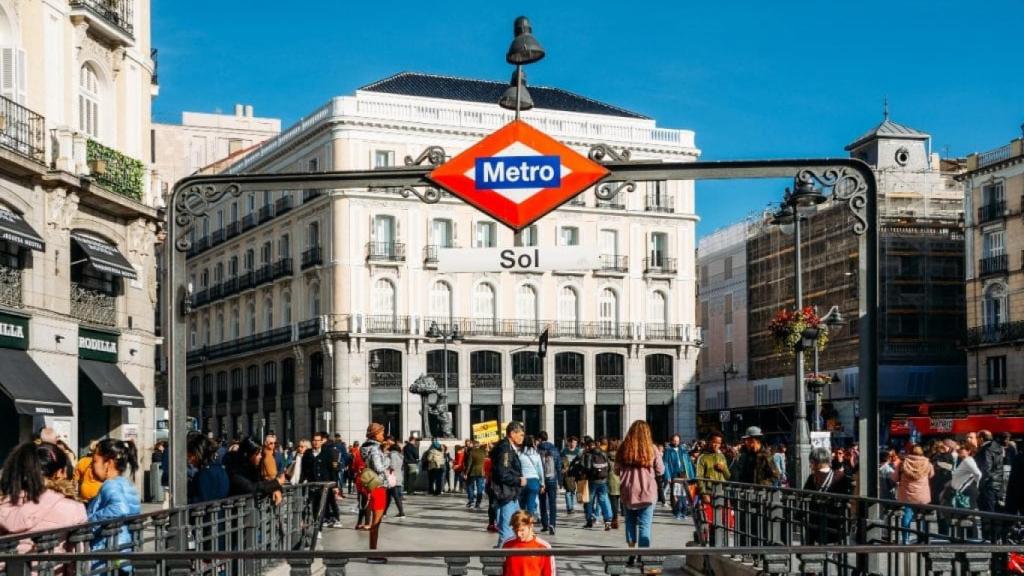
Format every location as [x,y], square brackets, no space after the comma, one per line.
[486,432]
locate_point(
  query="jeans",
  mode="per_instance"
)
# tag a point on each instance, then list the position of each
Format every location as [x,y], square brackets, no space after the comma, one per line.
[474,490]
[528,496]
[681,503]
[411,475]
[906,521]
[504,521]
[395,495]
[570,501]
[598,497]
[549,504]
[638,526]
[436,478]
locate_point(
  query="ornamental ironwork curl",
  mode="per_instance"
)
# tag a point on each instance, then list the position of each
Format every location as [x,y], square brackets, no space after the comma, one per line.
[847,186]
[599,152]
[609,190]
[427,196]
[194,202]
[432,155]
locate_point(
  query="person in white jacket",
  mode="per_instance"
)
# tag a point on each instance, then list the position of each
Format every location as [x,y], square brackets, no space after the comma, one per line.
[296,471]
[966,475]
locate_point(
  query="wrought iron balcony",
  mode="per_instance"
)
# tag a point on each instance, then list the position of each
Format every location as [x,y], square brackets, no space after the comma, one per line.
[569,381]
[312,257]
[229,287]
[245,344]
[199,246]
[264,274]
[453,379]
[659,203]
[216,292]
[201,298]
[22,131]
[283,205]
[996,333]
[613,204]
[266,213]
[991,211]
[658,331]
[385,251]
[115,171]
[993,265]
[232,230]
[116,13]
[10,287]
[488,380]
[310,328]
[614,263]
[248,221]
[217,237]
[659,381]
[283,267]
[246,280]
[660,265]
[311,194]
[385,379]
[529,381]
[611,381]
[93,306]
[386,324]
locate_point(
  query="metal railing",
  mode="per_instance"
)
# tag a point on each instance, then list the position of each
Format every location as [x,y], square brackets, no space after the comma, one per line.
[569,381]
[225,529]
[613,204]
[805,531]
[283,267]
[659,203]
[995,155]
[117,12]
[385,251]
[610,381]
[257,341]
[10,287]
[117,172]
[991,211]
[248,221]
[487,380]
[283,204]
[93,306]
[659,381]
[22,130]
[386,324]
[380,379]
[528,380]
[314,256]
[998,264]
[266,213]
[430,252]
[614,263]
[310,328]
[660,265]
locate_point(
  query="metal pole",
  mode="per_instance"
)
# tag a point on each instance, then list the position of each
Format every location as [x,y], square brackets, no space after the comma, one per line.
[817,395]
[802,436]
[519,86]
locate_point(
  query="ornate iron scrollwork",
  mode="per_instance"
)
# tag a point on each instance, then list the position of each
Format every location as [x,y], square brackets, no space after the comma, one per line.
[193,202]
[847,186]
[428,196]
[432,155]
[609,190]
[598,153]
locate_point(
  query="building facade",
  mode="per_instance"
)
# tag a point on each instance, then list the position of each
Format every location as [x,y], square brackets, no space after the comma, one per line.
[994,260]
[78,277]
[312,306]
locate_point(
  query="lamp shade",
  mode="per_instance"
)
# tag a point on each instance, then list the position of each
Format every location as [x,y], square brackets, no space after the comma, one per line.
[524,48]
[508,98]
[805,194]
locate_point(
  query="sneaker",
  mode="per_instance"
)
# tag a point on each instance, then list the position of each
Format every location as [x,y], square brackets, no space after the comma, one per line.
[588,525]
[678,516]
[337,524]
[400,515]
[492,528]
[551,530]
[607,526]
[469,504]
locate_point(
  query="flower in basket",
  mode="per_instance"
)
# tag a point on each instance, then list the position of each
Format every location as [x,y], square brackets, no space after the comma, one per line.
[787,328]
[819,379]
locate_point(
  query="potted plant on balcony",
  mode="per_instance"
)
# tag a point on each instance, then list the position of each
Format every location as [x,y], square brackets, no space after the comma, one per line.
[797,330]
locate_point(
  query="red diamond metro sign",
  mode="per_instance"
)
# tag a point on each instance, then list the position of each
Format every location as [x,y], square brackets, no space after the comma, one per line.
[517,174]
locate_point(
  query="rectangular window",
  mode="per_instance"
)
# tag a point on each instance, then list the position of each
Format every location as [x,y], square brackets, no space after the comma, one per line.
[383,158]
[313,165]
[728,267]
[609,242]
[995,368]
[728,309]
[441,233]
[992,194]
[526,237]
[569,236]
[486,236]
[728,352]
[994,243]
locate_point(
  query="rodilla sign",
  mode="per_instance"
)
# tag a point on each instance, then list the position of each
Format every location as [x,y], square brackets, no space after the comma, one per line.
[518,174]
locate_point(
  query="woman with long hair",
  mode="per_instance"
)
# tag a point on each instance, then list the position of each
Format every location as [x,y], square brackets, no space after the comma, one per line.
[638,464]
[375,460]
[533,473]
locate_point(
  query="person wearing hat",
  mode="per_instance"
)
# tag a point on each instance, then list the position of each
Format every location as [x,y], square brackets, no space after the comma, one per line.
[373,456]
[755,464]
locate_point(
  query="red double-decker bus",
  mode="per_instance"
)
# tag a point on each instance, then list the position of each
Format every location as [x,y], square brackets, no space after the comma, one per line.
[946,419]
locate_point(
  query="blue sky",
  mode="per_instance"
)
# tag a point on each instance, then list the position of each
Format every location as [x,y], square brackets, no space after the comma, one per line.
[753,79]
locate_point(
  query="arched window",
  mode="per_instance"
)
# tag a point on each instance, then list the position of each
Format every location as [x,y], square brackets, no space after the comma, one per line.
[569,371]
[526,303]
[206,331]
[313,234]
[220,327]
[384,298]
[89,101]
[568,311]
[658,369]
[484,309]
[286,309]
[284,247]
[611,370]
[436,367]
[995,307]
[236,325]
[385,368]
[657,310]
[193,335]
[252,317]
[441,301]
[314,300]
[608,313]
[268,314]
[485,369]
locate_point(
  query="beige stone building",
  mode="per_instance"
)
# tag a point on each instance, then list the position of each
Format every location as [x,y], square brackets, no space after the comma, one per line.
[994,181]
[77,277]
[314,302]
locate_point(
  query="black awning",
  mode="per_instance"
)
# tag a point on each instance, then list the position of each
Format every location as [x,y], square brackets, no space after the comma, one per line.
[104,256]
[115,387]
[29,387]
[13,228]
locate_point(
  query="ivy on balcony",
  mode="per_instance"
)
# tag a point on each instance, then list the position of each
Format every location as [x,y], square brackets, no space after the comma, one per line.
[115,171]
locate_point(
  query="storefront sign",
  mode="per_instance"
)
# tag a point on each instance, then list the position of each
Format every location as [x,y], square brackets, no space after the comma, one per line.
[560,258]
[96,345]
[13,332]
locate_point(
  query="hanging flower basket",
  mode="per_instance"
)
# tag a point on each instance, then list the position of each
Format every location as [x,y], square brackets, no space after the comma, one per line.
[791,330]
[819,380]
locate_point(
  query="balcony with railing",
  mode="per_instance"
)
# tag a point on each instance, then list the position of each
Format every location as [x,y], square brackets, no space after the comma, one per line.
[310,194]
[217,237]
[283,204]
[993,265]
[312,257]
[660,265]
[991,211]
[614,263]
[996,155]
[243,345]
[1005,332]
[381,379]
[115,171]
[569,381]
[485,380]
[386,324]
[22,131]
[266,213]
[248,221]
[659,203]
[283,267]
[610,381]
[246,280]
[613,204]
[233,229]
[310,328]
[385,251]
[93,306]
[199,246]
[529,380]
[264,274]
[659,381]
[10,287]
[111,18]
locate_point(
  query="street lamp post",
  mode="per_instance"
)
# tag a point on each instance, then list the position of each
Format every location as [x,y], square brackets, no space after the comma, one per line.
[447,336]
[833,319]
[727,370]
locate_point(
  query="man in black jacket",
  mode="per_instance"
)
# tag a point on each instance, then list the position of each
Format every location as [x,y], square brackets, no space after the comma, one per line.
[321,465]
[990,457]
[507,478]
[411,457]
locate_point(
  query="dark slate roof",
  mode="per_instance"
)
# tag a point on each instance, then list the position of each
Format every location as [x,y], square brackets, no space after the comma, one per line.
[470,90]
[888,129]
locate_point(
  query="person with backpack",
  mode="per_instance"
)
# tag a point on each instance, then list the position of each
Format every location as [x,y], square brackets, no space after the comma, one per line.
[597,466]
[507,479]
[569,456]
[551,463]
[373,481]
[533,471]
[473,470]
[678,466]
[827,522]
[434,462]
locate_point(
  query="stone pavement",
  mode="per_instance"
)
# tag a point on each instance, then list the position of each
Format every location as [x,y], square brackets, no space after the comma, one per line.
[444,522]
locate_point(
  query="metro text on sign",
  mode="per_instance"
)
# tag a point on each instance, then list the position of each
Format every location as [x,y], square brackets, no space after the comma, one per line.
[518,172]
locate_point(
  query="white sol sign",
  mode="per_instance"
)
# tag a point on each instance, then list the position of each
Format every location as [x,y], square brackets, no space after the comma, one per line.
[525,259]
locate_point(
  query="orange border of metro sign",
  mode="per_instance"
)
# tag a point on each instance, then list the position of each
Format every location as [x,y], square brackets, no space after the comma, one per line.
[583,173]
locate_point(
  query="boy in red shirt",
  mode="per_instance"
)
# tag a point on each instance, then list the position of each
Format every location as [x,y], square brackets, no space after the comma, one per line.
[522,524]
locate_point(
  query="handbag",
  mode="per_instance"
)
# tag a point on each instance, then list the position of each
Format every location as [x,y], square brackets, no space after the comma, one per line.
[960,498]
